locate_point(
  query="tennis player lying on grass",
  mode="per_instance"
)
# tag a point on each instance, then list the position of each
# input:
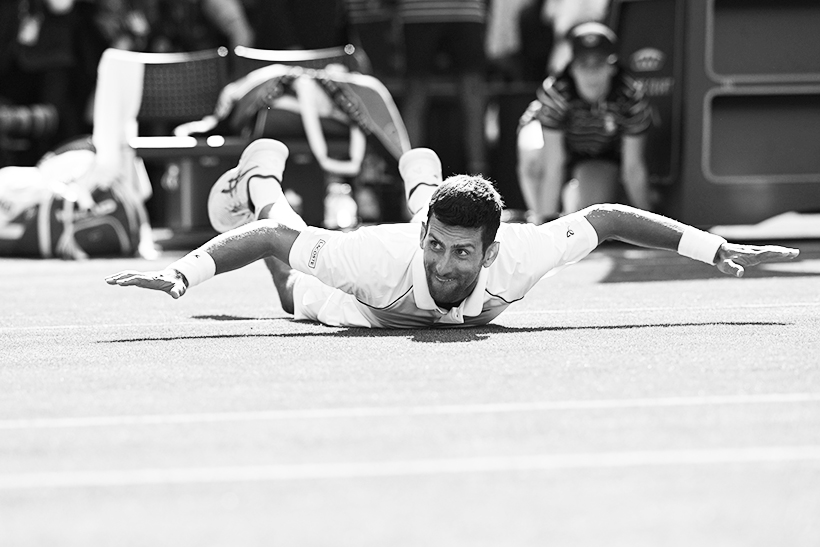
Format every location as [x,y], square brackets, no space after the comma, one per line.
[456,265]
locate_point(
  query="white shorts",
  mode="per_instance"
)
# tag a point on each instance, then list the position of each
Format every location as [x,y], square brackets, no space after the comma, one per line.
[315,301]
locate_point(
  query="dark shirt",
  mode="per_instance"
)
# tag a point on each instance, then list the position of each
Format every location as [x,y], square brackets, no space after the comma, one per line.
[591,130]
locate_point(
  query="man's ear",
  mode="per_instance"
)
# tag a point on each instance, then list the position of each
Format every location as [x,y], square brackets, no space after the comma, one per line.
[491,254]
[423,233]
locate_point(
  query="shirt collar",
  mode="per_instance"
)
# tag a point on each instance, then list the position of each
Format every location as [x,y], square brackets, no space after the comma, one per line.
[471,306]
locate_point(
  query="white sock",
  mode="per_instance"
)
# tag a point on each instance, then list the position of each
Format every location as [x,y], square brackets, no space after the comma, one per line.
[282,212]
[263,192]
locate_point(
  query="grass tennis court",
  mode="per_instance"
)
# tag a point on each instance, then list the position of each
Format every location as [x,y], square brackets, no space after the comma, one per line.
[635,399]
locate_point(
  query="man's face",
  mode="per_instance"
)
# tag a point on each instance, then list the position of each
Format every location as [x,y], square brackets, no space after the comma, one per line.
[453,258]
[592,74]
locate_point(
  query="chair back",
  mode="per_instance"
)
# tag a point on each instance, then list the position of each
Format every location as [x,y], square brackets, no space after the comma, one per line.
[181,87]
[248,59]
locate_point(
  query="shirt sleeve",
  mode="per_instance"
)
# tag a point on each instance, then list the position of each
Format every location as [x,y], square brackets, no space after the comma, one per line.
[364,263]
[533,252]
[565,241]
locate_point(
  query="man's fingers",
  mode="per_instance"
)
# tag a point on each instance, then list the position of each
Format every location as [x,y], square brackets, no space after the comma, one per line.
[774,252]
[120,276]
[157,281]
[730,267]
[734,258]
[769,253]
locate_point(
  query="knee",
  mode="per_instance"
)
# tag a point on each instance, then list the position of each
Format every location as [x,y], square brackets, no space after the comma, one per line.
[530,166]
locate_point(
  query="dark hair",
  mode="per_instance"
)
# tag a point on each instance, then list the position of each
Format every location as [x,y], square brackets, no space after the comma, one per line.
[468,201]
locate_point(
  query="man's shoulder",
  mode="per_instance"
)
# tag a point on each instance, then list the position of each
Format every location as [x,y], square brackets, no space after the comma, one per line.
[399,240]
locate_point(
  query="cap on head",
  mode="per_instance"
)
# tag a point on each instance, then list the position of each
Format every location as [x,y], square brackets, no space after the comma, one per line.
[593,40]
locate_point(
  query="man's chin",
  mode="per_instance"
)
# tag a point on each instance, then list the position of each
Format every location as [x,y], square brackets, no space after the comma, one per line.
[448,296]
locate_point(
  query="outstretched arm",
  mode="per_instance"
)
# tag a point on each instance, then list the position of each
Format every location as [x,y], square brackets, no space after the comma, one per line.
[645,229]
[229,251]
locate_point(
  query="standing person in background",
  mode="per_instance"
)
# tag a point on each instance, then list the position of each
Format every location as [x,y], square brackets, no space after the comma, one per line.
[451,34]
[587,128]
[182,25]
[297,24]
[504,40]
[48,55]
[537,41]
[373,26]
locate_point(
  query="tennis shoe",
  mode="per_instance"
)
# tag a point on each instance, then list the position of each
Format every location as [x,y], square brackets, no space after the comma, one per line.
[229,202]
[420,168]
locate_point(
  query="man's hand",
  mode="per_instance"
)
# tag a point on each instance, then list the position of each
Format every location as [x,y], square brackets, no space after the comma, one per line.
[733,259]
[167,281]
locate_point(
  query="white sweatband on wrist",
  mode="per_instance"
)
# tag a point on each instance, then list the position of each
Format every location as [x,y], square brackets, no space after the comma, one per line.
[197,267]
[699,245]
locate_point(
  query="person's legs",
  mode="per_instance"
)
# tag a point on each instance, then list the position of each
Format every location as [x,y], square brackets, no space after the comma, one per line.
[421,46]
[473,92]
[252,190]
[307,298]
[543,200]
[284,278]
[465,44]
[594,181]
[420,169]
[414,109]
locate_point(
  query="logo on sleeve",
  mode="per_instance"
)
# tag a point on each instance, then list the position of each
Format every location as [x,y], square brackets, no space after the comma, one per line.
[570,233]
[314,254]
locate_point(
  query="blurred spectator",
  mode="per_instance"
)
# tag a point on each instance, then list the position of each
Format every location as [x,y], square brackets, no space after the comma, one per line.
[537,41]
[446,38]
[373,26]
[504,40]
[589,125]
[48,56]
[179,25]
[297,24]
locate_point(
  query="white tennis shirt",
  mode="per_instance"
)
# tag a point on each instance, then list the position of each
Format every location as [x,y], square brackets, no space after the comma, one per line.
[381,270]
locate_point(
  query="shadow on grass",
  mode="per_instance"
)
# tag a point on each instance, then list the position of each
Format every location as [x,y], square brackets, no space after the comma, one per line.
[439,335]
[648,266]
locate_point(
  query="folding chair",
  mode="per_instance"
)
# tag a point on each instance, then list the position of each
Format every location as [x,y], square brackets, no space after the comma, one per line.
[140,98]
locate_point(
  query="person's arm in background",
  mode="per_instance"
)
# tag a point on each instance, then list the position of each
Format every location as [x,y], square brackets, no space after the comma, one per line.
[634,173]
[542,154]
[555,161]
[230,17]
[637,123]
[541,161]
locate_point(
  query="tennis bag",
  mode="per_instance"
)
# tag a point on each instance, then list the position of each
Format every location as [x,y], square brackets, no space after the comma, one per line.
[41,217]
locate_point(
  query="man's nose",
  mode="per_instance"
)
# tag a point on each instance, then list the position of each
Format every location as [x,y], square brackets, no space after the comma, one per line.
[444,266]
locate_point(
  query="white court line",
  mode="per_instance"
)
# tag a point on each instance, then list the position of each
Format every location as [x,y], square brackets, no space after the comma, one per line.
[402,468]
[140,325]
[665,309]
[573,311]
[385,412]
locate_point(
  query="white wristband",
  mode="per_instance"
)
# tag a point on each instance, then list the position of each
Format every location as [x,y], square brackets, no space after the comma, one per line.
[699,245]
[197,267]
